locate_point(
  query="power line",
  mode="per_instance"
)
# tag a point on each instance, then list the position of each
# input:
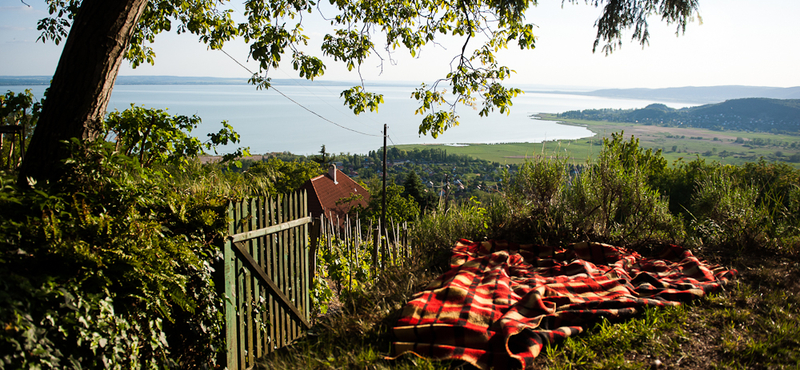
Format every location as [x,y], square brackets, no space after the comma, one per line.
[304,87]
[296,102]
[390,139]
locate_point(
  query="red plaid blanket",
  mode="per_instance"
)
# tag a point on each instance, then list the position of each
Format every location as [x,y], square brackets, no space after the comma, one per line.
[502,301]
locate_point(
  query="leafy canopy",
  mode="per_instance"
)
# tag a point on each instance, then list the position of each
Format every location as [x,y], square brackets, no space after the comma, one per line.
[274,30]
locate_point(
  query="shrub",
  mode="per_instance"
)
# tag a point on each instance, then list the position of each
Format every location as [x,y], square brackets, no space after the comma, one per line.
[613,199]
[108,269]
[155,137]
[112,266]
[534,197]
[536,186]
[726,211]
[679,183]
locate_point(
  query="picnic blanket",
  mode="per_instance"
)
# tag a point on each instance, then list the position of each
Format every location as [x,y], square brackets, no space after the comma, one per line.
[500,303]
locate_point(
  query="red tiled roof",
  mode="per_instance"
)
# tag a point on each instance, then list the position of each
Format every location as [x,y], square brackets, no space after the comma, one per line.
[323,194]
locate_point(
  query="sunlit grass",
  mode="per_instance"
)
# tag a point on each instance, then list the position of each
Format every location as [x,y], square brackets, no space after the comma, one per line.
[723,149]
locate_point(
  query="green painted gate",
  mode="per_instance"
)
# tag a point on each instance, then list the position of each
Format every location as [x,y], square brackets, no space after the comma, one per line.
[267,277]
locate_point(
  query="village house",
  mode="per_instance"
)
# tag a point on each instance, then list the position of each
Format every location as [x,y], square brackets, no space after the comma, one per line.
[334,194]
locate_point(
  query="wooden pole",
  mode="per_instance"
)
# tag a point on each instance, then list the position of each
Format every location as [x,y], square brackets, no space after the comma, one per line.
[383,212]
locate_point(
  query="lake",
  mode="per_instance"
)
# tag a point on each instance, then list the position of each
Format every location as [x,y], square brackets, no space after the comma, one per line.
[269,122]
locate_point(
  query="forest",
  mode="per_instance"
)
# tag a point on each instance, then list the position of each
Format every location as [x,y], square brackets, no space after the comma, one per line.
[778,116]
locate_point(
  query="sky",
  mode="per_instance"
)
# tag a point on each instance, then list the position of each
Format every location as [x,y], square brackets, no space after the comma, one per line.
[738,42]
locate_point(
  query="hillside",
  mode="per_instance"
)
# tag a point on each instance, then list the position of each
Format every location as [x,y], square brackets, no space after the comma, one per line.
[750,114]
[700,94]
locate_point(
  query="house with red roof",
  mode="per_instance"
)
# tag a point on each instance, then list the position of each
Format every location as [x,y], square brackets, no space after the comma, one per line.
[334,194]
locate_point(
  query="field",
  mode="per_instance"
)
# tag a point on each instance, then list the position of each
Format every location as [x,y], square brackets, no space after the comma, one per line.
[726,147]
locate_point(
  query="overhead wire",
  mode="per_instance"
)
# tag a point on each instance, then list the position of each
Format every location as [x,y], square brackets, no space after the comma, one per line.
[298,103]
[304,87]
[390,136]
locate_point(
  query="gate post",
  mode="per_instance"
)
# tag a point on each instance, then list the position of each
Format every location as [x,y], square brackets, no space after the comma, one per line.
[314,241]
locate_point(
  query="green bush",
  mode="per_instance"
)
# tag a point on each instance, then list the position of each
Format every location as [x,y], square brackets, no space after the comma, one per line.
[347,265]
[534,198]
[112,266]
[285,176]
[536,185]
[613,199]
[109,269]
[153,136]
[679,182]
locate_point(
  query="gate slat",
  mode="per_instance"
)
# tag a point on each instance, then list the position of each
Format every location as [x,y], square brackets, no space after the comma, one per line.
[255,304]
[306,262]
[282,318]
[263,345]
[293,260]
[274,315]
[249,287]
[267,264]
[240,309]
[230,292]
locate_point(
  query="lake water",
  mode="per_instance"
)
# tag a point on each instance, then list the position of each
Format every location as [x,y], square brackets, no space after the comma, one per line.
[269,122]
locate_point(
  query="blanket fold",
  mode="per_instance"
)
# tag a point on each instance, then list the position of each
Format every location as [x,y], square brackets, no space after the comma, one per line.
[500,303]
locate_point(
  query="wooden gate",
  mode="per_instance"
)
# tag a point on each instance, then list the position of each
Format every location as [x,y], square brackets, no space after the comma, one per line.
[267,277]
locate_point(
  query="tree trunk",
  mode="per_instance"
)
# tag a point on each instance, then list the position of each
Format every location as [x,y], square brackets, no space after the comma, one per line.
[76,102]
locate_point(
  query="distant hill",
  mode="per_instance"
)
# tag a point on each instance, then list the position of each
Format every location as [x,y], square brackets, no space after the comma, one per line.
[752,114]
[180,80]
[691,94]
[131,80]
[698,95]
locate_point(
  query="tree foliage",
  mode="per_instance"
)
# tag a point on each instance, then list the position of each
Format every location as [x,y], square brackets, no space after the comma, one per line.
[21,110]
[619,15]
[400,206]
[109,269]
[153,136]
[361,29]
[324,159]
[414,188]
[285,176]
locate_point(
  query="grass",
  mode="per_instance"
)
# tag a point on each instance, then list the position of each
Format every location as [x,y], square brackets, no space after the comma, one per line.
[752,325]
[518,153]
[719,146]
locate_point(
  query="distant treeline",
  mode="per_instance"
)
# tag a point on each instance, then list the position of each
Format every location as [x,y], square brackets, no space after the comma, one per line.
[780,116]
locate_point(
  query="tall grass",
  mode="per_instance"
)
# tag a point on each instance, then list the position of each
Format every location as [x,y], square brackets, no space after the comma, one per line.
[435,233]
[215,180]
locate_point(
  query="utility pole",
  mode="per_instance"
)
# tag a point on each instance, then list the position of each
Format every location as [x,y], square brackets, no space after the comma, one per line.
[383,212]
